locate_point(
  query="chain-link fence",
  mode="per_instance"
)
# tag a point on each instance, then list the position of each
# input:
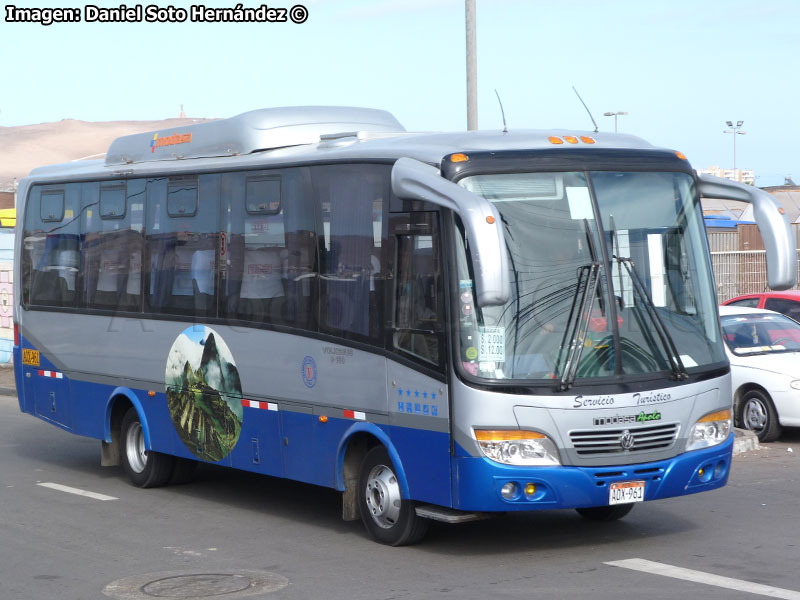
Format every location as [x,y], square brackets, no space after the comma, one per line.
[740,272]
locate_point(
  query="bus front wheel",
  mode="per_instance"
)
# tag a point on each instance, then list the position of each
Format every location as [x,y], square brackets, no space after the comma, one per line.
[388,517]
[143,467]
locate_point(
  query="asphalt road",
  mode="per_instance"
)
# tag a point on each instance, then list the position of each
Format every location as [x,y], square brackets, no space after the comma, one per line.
[228,526]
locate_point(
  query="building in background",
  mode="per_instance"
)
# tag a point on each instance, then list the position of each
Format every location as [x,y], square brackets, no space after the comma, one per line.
[747,176]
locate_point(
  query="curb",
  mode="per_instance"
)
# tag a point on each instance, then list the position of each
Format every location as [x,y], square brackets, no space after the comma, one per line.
[744,440]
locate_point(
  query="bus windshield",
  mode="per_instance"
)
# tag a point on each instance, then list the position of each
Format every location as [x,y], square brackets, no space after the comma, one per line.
[609,277]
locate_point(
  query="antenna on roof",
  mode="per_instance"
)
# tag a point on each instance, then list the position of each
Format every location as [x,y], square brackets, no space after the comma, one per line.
[586,107]
[502,112]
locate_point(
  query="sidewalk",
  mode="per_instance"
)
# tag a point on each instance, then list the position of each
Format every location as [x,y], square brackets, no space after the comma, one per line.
[7,385]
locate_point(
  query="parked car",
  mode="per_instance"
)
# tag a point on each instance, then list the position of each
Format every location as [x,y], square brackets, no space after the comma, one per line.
[764,349]
[787,303]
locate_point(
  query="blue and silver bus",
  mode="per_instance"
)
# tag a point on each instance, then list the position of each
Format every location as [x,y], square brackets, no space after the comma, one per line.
[440,326]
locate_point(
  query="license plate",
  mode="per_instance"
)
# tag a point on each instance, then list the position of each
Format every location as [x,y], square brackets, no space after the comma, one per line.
[625,492]
[30,357]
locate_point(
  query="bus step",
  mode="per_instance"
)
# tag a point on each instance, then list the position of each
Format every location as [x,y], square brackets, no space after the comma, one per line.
[449,515]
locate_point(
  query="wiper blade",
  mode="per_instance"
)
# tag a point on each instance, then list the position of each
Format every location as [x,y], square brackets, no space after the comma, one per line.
[675,362]
[577,328]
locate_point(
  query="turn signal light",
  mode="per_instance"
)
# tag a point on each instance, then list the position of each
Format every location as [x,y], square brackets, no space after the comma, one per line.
[720,415]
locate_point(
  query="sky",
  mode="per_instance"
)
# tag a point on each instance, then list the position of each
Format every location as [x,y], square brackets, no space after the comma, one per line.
[679,68]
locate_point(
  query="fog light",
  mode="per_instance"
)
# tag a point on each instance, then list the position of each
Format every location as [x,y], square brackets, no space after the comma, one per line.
[530,489]
[509,491]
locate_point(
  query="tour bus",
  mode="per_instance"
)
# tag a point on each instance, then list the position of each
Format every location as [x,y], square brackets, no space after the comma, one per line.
[441,326]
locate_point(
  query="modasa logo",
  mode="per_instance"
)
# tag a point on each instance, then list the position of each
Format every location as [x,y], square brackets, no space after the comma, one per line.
[642,417]
[170,140]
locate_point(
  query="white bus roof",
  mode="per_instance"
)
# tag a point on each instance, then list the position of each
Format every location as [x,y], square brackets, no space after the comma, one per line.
[278,136]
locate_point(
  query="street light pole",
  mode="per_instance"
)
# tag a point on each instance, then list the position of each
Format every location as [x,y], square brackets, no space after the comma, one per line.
[735,130]
[615,115]
[472,67]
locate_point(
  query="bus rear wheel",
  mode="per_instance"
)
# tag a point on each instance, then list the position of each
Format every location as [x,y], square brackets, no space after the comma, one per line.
[144,468]
[605,513]
[388,517]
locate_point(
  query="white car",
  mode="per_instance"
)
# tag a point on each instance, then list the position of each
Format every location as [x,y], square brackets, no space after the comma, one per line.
[764,349]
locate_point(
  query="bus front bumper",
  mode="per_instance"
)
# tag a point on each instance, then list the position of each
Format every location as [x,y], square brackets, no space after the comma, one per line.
[478,482]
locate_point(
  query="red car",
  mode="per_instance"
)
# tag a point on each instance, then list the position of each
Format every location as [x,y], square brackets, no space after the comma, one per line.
[787,303]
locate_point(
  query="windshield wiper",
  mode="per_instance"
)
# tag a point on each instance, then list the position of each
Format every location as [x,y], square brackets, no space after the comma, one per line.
[585,292]
[675,363]
[576,330]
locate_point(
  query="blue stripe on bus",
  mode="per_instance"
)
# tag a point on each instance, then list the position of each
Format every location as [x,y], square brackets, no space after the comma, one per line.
[284,443]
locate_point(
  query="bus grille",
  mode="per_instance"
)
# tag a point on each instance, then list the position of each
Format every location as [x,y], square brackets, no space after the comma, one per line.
[609,441]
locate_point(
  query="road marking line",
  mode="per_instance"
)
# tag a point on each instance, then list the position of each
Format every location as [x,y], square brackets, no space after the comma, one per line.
[76,491]
[654,568]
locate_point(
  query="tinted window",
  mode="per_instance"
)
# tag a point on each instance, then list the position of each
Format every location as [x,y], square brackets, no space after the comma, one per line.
[790,308]
[181,234]
[353,200]
[748,302]
[52,206]
[112,201]
[182,197]
[269,257]
[51,246]
[113,222]
[419,301]
[263,195]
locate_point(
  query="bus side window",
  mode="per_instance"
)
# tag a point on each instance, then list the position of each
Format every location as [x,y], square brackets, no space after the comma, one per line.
[112,226]
[352,200]
[269,265]
[419,298]
[182,244]
[51,246]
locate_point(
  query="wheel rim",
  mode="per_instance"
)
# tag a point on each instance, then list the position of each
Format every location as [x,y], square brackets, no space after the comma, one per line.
[134,448]
[383,496]
[755,414]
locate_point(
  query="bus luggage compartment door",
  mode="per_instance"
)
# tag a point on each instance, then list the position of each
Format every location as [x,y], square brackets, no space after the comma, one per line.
[297,443]
[52,399]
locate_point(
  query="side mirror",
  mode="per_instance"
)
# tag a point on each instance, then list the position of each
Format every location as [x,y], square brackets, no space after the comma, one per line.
[418,181]
[777,232]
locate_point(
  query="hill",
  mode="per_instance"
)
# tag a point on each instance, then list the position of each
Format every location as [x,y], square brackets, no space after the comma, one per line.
[27,146]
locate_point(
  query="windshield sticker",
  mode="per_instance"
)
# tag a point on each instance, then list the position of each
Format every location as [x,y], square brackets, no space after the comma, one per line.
[580,203]
[492,344]
[204,393]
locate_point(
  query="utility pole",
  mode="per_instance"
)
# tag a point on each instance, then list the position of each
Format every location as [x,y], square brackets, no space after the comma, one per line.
[472,68]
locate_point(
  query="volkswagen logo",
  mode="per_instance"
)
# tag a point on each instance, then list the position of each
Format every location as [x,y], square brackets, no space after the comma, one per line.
[626,440]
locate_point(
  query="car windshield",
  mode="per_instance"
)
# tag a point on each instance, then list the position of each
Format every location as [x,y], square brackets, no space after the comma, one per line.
[609,276]
[760,333]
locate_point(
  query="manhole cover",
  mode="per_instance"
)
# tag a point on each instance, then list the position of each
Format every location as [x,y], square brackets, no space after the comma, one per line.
[182,585]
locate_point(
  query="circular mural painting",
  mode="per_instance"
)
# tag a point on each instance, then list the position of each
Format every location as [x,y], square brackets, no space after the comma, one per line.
[204,393]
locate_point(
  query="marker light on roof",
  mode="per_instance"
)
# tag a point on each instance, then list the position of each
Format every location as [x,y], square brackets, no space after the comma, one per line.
[571,139]
[681,155]
[555,140]
[587,140]
[459,157]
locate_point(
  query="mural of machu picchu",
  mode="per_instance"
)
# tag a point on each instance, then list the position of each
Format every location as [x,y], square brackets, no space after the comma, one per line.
[204,393]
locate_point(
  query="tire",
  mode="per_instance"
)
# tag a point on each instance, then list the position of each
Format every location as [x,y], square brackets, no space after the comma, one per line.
[182,471]
[388,517]
[757,413]
[144,468]
[605,513]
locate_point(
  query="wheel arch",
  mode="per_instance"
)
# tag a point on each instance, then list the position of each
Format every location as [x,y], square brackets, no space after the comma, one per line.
[355,443]
[119,401]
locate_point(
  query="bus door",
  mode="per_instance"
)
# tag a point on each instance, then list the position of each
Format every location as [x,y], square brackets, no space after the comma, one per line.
[419,412]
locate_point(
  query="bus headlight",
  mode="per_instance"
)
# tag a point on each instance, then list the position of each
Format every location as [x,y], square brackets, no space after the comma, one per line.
[517,447]
[711,430]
